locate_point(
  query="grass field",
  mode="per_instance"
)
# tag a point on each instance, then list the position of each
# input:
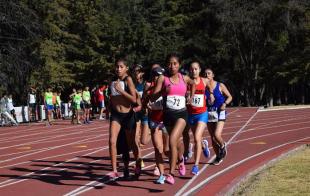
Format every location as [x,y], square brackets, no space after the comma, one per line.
[288,176]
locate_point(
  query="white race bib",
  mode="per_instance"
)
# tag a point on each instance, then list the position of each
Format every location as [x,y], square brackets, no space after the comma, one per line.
[114,92]
[214,116]
[158,104]
[32,98]
[175,102]
[222,115]
[198,100]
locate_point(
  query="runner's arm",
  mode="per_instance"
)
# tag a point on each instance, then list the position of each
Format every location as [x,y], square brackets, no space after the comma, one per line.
[209,88]
[227,94]
[192,86]
[157,91]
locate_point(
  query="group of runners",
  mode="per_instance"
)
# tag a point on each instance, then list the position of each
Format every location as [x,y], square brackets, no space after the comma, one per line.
[163,110]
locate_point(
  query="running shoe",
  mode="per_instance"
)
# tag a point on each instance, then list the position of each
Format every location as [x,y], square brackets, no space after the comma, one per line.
[170,179]
[217,160]
[182,169]
[113,175]
[161,179]
[206,150]
[195,170]
[223,151]
[156,171]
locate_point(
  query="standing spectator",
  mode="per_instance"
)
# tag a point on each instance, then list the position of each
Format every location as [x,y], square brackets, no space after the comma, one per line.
[48,102]
[93,101]
[3,110]
[32,105]
[71,105]
[58,105]
[10,106]
[100,99]
[107,101]
[86,104]
[6,118]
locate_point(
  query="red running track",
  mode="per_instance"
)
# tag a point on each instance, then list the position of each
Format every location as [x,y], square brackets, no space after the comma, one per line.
[69,159]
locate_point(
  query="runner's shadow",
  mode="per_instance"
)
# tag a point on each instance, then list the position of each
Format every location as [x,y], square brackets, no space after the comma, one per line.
[59,173]
[55,177]
[72,164]
[116,183]
[95,158]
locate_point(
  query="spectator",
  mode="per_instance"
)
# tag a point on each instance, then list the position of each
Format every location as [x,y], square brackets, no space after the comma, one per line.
[10,106]
[32,104]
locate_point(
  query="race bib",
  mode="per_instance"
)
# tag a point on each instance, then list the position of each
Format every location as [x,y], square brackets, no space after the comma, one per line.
[175,102]
[213,116]
[114,92]
[158,104]
[198,100]
[222,115]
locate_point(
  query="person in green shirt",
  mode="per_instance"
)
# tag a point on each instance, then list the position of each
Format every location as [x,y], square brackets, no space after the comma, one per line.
[48,102]
[86,104]
[77,99]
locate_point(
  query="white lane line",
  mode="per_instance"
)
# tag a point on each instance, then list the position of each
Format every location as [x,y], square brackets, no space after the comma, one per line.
[41,133]
[274,133]
[9,182]
[275,126]
[15,181]
[46,133]
[13,132]
[206,165]
[50,157]
[275,119]
[33,150]
[52,137]
[86,187]
[49,148]
[285,108]
[263,125]
[97,183]
[195,188]
[58,140]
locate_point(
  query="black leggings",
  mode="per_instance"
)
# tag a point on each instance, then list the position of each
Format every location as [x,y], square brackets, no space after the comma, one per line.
[126,120]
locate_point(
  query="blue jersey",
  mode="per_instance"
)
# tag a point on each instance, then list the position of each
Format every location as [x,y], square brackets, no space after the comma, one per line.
[219,98]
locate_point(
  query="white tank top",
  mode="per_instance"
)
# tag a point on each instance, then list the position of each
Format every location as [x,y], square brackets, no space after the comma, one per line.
[32,98]
[10,104]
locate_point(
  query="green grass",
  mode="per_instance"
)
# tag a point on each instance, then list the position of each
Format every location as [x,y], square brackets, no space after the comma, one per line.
[288,176]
